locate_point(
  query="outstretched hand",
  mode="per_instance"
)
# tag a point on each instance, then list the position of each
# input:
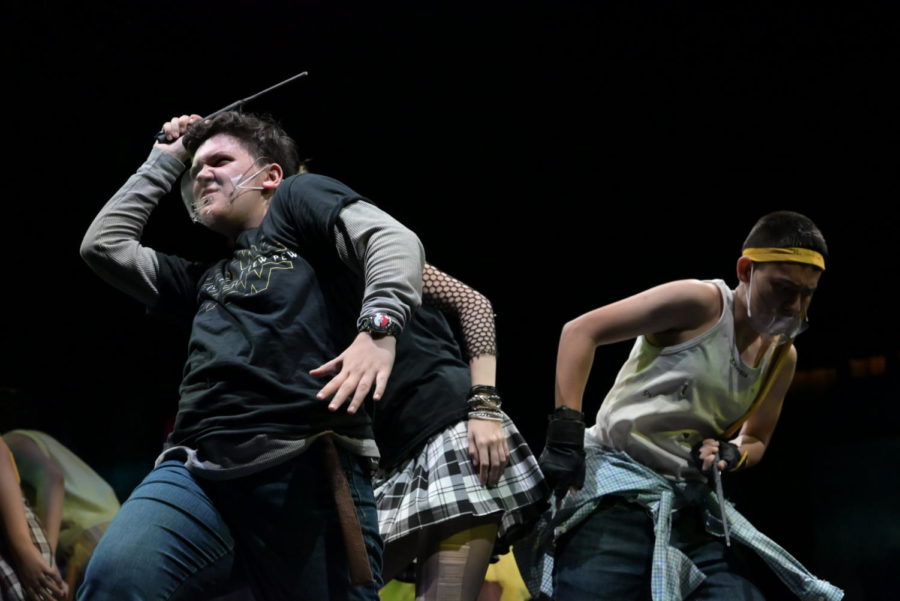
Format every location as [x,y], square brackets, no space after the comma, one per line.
[488,449]
[364,364]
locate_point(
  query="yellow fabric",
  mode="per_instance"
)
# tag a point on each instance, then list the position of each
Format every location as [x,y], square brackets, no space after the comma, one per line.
[793,255]
[80,554]
[398,591]
[780,356]
[89,500]
[463,537]
[505,573]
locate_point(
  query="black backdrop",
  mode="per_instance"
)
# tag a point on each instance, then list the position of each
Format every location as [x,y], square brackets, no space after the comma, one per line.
[555,155]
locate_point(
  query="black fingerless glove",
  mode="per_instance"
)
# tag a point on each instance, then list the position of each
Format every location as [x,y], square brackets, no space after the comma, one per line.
[729,453]
[562,461]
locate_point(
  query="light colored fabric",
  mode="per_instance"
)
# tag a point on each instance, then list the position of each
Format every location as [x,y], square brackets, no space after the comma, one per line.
[666,400]
[89,501]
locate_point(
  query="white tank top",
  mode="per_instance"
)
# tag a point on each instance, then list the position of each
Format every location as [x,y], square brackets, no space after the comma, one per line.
[667,399]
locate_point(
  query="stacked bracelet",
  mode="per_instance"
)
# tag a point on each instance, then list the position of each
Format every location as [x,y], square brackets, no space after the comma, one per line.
[494,416]
[485,403]
[481,400]
[482,389]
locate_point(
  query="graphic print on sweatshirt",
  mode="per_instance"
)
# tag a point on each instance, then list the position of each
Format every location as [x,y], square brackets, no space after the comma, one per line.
[248,273]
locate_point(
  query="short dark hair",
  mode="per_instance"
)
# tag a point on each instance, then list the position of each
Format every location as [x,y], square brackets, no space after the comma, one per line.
[786,229]
[260,135]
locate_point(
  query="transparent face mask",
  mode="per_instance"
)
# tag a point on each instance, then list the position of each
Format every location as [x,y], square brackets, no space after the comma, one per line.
[231,187]
[769,314]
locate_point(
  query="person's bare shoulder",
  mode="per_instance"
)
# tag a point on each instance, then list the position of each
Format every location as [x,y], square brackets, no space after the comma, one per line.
[687,307]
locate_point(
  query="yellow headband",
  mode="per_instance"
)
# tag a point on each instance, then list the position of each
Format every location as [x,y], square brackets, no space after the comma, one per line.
[794,255]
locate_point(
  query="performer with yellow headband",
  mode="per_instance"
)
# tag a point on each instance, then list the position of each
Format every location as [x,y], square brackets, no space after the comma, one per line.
[636,516]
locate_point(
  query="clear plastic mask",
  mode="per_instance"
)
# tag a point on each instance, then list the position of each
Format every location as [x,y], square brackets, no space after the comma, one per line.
[231,187]
[770,318]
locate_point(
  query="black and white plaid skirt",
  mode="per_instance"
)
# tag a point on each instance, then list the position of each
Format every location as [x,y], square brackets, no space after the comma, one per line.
[440,484]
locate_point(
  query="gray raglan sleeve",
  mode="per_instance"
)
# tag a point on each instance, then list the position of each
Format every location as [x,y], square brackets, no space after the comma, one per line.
[388,254]
[111,246]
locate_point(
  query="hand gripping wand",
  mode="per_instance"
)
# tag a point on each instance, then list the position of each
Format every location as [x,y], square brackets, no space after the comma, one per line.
[161,137]
[717,476]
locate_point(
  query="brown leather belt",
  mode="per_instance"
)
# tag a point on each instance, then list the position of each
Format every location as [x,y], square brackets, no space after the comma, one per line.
[357,555]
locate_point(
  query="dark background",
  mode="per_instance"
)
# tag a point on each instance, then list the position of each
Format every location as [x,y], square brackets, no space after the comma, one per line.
[555,155]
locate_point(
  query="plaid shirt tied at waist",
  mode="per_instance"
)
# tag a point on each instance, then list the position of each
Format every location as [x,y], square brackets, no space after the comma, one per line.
[673,575]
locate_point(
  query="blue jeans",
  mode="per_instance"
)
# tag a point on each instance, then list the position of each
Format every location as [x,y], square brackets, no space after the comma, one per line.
[608,556]
[179,537]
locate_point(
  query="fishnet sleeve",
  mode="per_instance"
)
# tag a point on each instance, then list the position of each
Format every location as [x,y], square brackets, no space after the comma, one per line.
[471,309]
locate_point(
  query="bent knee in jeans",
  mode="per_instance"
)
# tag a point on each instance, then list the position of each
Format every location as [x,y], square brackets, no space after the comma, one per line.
[607,556]
[167,542]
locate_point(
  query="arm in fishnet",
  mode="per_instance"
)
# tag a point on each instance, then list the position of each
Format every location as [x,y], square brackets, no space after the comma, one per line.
[468,307]
[475,316]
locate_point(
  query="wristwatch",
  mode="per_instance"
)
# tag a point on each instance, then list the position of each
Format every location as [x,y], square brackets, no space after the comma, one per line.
[378,325]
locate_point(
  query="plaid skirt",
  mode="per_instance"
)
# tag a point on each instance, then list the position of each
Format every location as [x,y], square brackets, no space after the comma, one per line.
[440,484]
[10,587]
